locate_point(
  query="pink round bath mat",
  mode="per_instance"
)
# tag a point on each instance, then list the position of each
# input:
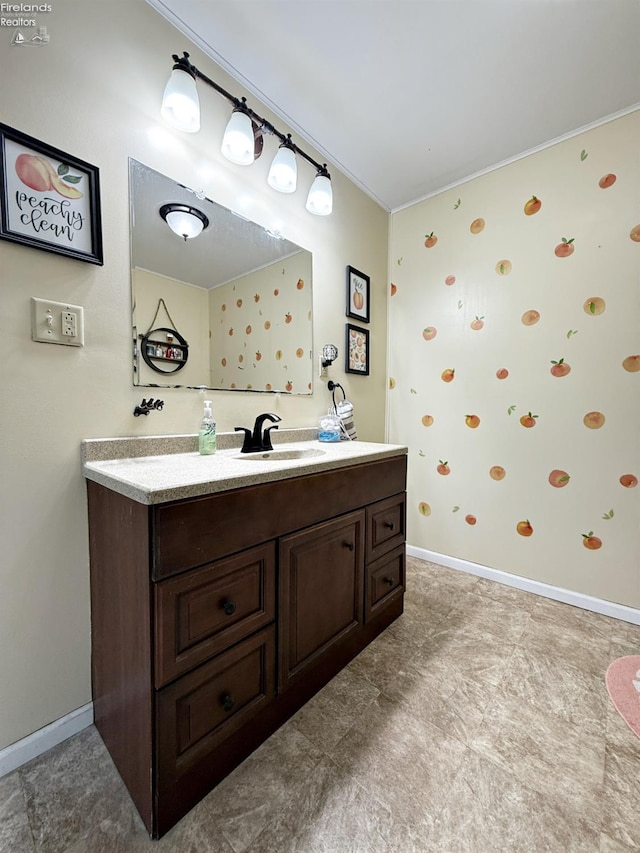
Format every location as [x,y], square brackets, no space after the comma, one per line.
[623,684]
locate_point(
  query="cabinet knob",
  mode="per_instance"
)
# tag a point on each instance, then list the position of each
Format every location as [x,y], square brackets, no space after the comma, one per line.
[349,545]
[388,581]
[228,702]
[389,525]
[229,607]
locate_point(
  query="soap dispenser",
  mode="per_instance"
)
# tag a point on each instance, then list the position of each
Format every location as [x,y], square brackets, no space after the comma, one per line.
[207,434]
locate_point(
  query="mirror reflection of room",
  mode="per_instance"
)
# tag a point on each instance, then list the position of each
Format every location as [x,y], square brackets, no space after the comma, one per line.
[239,295]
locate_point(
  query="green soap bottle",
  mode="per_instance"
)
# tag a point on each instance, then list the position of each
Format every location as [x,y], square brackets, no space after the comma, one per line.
[207,434]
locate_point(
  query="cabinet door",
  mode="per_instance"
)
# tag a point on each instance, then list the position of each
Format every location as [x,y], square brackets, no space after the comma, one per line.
[321,592]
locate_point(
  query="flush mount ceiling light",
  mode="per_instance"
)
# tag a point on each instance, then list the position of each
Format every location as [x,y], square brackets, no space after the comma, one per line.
[184,220]
[243,137]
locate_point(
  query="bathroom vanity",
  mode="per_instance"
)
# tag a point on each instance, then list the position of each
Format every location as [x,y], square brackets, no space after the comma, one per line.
[225,592]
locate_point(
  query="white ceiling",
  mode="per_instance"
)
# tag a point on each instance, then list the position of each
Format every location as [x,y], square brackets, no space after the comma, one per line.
[407,97]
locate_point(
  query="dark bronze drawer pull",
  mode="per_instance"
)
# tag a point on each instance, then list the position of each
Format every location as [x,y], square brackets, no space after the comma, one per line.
[229,607]
[389,581]
[228,702]
[349,545]
[389,524]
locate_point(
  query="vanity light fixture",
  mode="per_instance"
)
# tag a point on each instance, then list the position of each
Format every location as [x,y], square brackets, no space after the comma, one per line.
[243,138]
[184,220]
[283,174]
[238,142]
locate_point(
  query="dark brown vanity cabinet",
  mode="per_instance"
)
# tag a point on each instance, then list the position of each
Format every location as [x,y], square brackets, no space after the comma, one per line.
[214,619]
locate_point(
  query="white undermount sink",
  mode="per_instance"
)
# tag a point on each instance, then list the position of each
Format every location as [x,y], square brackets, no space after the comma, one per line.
[277,455]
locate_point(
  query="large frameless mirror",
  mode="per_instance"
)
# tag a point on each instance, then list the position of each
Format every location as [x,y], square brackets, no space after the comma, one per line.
[228,309]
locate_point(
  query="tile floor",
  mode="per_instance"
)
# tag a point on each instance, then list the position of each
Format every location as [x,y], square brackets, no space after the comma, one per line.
[478,722]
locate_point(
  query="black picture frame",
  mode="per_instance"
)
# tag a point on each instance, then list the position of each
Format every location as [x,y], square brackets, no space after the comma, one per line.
[358,295]
[357,351]
[49,199]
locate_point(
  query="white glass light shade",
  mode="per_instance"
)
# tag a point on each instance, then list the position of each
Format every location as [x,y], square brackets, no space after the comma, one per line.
[238,144]
[320,198]
[283,174]
[185,221]
[180,102]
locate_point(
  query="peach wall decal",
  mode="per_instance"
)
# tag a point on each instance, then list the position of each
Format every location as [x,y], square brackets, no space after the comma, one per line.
[631,363]
[594,306]
[394,289]
[300,284]
[470,519]
[528,421]
[524,528]
[591,542]
[564,249]
[239,303]
[430,240]
[477,324]
[424,508]
[497,472]
[477,226]
[429,333]
[248,330]
[472,421]
[267,324]
[532,206]
[593,420]
[448,374]
[629,481]
[299,352]
[607,181]
[530,317]
[559,478]
[427,420]
[635,234]
[504,267]
[560,368]
[450,279]
[443,468]
[502,373]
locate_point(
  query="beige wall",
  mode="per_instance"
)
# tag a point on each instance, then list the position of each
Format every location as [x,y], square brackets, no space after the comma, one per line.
[94,91]
[462,303]
[188,308]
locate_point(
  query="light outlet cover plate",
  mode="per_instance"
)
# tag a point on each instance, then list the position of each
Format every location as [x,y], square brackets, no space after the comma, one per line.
[53,322]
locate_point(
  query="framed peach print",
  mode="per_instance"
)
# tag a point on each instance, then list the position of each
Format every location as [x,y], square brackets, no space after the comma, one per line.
[358,287]
[48,199]
[357,350]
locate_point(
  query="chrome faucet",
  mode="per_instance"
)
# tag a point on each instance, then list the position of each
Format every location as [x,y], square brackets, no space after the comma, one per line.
[258,440]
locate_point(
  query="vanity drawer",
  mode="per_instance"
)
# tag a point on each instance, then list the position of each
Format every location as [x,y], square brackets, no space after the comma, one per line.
[385,580]
[385,526]
[199,711]
[205,611]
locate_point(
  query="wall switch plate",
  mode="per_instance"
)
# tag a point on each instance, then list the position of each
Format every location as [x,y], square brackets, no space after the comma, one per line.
[323,372]
[57,322]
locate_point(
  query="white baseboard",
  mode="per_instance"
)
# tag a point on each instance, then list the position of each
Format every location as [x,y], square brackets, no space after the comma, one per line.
[18,753]
[577,599]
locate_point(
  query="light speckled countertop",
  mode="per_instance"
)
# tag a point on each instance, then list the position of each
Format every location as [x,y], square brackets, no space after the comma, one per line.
[155,469]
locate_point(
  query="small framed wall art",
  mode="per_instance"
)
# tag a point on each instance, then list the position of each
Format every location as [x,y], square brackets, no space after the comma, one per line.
[49,200]
[358,287]
[357,350]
